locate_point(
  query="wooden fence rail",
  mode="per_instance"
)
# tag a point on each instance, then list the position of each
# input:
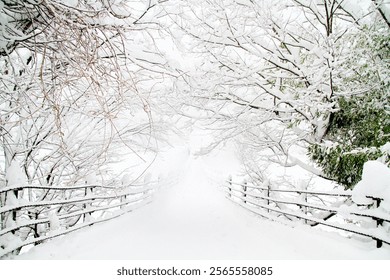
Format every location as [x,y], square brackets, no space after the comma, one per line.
[32,214]
[312,207]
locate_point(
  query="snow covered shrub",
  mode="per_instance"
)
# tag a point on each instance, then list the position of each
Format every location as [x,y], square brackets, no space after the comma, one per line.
[359,129]
[375,182]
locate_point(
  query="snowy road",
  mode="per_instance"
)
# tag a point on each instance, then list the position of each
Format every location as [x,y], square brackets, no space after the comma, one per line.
[191,219]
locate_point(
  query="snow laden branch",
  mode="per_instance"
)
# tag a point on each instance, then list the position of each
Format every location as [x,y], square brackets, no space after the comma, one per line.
[77,79]
[271,74]
[384,9]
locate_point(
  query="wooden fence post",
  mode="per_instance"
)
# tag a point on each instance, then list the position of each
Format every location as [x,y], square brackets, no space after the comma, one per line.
[244,188]
[230,185]
[2,216]
[123,198]
[379,222]
[14,212]
[304,208]
[268,195]
[36,232]
[87,205]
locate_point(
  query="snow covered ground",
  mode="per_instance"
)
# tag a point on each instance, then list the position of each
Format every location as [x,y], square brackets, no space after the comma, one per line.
[190,218]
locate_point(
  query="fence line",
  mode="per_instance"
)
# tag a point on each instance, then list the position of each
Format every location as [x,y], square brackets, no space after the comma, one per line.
[33,214]
[253,199]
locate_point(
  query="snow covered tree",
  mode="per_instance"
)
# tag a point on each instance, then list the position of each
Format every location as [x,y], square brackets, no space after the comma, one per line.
[272,73]
[71,71]
[77,79]
[271,70]
[360,128]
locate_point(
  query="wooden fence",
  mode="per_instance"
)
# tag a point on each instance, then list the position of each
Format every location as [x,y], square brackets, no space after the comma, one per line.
[333,209]
[32,214]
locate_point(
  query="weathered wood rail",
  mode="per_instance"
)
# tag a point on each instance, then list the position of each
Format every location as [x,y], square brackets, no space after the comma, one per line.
[33,214]
[333,209]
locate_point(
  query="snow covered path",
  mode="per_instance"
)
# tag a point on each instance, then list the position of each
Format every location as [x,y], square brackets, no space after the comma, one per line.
[191,219]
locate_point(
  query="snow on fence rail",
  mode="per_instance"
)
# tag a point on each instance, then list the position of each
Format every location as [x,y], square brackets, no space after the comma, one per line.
[313,208]
[31,214]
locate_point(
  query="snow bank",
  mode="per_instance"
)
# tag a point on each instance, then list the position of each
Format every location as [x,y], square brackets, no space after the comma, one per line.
[15,175]
[91,179]
[375,183]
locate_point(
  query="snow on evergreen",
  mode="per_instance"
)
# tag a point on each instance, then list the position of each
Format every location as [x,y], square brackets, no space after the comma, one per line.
[375,183]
